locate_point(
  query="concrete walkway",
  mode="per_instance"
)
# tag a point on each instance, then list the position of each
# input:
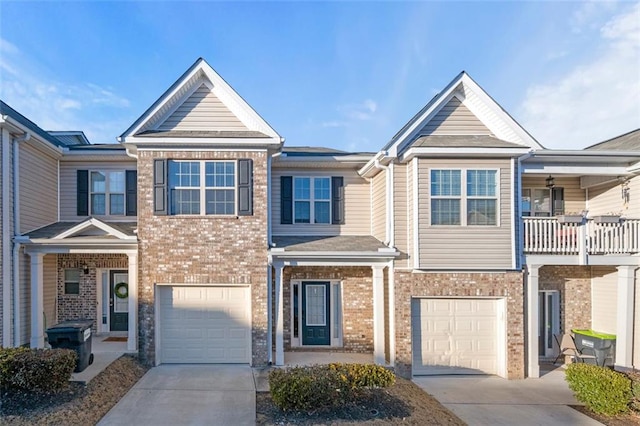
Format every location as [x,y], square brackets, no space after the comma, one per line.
[188,395]
[491,400]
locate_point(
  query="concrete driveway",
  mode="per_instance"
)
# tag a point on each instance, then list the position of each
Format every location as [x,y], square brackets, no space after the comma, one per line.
[490,400]
[188,395]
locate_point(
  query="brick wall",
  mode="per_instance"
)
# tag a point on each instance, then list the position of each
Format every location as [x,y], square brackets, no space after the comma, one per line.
[357,302]
[574,286]
[84,305]
[505,285]
[196,250]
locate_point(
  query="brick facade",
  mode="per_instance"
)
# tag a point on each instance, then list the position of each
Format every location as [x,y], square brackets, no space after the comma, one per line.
[573,284]
[84,305]
[507,285]
[357,303]
[196,250]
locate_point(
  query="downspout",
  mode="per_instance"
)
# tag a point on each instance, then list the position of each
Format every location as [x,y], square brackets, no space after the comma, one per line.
[520,246]
[387,198]
[16,232]
[6,243]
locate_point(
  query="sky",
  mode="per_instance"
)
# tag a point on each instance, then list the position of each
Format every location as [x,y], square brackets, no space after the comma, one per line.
[346,75]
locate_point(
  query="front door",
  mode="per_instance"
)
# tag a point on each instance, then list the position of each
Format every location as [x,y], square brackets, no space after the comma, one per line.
[119,301]
[549,317]
[316,329]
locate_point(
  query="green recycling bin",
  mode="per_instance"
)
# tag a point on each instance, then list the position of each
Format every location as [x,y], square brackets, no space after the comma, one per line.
[75,335]
[602,345]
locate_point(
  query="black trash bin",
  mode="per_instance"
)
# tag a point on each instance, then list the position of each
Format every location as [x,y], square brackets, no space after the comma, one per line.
[602,345]
[74,335]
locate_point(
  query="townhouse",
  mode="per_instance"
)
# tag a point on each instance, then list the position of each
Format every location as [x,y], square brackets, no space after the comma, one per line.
[460,247]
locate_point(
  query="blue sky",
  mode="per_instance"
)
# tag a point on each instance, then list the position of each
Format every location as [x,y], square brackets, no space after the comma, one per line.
[342,74]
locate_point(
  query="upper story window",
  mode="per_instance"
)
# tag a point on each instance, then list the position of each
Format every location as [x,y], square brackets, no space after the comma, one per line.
[312,199]
[477,204]
[202,187]
[107,193]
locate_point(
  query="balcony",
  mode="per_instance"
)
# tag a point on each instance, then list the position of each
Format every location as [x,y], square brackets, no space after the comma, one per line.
[549,236]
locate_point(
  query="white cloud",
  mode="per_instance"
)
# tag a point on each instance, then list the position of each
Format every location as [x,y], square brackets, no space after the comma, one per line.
[595,100]
[589,15]
[361,111]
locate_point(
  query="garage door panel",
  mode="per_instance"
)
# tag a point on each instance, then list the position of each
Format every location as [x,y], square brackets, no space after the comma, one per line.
[455,336]
[205,324]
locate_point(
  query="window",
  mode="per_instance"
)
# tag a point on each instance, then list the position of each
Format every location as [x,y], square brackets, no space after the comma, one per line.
[542,202]
[477,205]
[312,199]
[189,187]
[71,281]
[107,193]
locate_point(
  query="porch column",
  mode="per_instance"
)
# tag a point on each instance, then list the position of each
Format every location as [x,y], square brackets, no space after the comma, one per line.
[278,267]
[378,314]
[132,334]
[37,300]
[532,309]
[624,327]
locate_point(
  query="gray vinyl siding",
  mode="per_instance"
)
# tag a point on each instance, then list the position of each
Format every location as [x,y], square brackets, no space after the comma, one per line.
[50,285]
[379,205]
[38,188]
[68,185]
[517,215]
[202,111]
[357,211]
[400,212]
[465,247]
[574,196]
[455,119]
[604,294]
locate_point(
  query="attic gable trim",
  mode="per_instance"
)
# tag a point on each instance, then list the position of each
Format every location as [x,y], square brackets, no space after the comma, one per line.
[178,103]
[466,152]
[98,224]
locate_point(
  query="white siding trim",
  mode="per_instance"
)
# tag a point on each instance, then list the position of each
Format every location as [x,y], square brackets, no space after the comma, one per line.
[514,213]
[6,240]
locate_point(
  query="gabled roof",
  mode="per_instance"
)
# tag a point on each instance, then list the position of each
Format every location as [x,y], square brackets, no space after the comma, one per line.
[197,83]
[629,141]
[7,111]
[498,122]
[91,227]
[70,137]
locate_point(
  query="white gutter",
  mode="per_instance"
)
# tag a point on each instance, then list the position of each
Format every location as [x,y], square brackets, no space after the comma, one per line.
[379,166]
[269,236]
[16,232]
[6,243]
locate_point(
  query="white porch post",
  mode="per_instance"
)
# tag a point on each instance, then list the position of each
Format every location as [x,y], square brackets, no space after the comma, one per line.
[624,327]
[533,366]
[132,336]
[279,299]
[378,314]
[37,300]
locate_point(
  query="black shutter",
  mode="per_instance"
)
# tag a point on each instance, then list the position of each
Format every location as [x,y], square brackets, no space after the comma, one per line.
[132,192]
[82,177]
[159,187]
[245,187]
[286,200]
[337,200]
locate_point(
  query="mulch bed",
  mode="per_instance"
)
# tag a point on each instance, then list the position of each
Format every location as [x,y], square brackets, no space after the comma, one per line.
[78,404]
[621,420]
[403,403]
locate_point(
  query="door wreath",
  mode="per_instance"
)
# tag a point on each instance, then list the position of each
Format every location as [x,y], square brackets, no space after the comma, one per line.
[121,290]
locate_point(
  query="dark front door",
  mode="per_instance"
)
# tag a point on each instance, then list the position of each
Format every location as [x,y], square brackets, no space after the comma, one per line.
[119,301]
[316,329]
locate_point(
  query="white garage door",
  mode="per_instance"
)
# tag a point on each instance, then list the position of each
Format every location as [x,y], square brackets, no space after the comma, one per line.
[204,324]
[455,336]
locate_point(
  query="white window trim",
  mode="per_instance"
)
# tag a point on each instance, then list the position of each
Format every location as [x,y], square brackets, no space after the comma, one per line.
[463,197]
[203,188]
[311,200]
[107,192]
[335,310]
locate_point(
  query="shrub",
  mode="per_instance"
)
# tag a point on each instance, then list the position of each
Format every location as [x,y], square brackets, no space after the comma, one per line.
[36,370]
[602,390]
[324,386]
[635,390]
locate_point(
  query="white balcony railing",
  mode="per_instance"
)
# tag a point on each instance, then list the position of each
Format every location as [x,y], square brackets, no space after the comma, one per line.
[545,235]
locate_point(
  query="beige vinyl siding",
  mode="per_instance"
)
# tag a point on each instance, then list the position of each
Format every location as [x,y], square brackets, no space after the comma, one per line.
[24,265]
[636,327]
[455,119]
[410,228]
[465,247]
[357,211]
[379,205]
[68,186]
[400,211]
[38,188]
[202,111]
[574,196]
[50,286]
[632,209]
[604,294]
[605,199]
